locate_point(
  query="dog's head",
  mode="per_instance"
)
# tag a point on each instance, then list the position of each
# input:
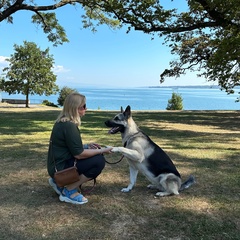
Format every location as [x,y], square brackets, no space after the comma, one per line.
[119,122]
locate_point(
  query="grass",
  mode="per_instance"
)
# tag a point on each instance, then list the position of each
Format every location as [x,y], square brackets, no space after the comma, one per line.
[203,143]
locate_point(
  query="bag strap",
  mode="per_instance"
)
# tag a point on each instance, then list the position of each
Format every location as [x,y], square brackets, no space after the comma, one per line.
[75,162]
[51,146]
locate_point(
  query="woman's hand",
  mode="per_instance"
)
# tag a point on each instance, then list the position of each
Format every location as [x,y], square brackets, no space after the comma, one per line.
[102,149]
[93,146]
[106,150]
[94,151]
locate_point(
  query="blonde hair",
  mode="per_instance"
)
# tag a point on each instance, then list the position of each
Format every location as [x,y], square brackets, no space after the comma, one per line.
[70,108]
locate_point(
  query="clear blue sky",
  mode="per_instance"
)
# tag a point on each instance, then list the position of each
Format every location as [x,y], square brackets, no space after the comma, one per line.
[108,57]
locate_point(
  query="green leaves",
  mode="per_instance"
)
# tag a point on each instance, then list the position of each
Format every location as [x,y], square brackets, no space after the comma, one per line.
[175,103]
[63,93]
[29,71]
[204,34]
[55,32]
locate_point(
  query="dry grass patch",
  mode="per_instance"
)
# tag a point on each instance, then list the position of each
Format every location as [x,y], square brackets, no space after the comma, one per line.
[205,144]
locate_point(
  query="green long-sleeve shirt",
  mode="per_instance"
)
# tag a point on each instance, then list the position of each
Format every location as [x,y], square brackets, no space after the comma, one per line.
[66,143]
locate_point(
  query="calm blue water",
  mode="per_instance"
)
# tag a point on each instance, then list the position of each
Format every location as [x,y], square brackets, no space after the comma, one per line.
[147,98]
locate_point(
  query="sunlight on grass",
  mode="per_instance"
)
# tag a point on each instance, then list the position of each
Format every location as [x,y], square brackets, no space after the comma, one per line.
[205,144]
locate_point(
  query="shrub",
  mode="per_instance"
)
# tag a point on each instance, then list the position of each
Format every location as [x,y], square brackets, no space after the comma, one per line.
[175,103]
[47,103]
[63,94]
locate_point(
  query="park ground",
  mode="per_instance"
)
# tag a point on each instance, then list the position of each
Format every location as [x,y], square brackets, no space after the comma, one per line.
[203,143]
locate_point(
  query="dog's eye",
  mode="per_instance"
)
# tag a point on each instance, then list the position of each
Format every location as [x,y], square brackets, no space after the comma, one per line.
[116,118]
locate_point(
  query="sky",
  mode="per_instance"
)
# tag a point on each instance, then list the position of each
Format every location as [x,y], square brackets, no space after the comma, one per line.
[107,58]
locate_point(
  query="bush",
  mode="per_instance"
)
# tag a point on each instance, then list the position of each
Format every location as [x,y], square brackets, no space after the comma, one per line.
[63,94]
[175,103]
[47,103]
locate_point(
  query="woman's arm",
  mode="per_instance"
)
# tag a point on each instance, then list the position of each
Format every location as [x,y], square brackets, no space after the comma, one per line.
[92,152]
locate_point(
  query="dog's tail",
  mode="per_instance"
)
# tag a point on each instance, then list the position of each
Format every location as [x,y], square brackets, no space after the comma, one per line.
[191,180]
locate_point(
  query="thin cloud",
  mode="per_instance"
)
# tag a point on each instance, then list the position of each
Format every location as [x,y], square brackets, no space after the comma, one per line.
[56,68]
[3,62]
[60,69]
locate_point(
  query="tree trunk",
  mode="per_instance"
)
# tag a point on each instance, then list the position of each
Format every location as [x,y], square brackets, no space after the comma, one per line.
[27,101]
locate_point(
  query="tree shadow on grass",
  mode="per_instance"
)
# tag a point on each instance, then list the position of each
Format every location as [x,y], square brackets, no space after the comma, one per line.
[26,122]
[26,197]
[111,214]
[228,120]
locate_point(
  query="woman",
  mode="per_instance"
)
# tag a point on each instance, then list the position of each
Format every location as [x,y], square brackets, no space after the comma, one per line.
[66,146]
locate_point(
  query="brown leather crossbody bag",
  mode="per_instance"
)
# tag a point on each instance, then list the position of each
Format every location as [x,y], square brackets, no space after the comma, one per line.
[66,176]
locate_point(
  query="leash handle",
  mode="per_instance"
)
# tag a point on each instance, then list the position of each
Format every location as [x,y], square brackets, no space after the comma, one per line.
[91,189]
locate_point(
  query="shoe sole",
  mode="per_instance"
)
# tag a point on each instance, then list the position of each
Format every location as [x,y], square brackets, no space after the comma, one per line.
[68,200]
[53,185]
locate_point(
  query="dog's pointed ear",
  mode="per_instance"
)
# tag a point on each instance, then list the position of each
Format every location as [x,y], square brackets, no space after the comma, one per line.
[127,111]
[121,109]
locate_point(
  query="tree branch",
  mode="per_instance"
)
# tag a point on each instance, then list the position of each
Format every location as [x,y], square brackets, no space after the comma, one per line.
[216,15]
[18,5]
[177,29]
[153,28]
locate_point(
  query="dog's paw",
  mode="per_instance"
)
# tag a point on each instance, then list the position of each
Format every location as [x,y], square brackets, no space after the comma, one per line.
[126,190]
[151,186]
[160,194]
[108,146]
[163,194]
[115,149]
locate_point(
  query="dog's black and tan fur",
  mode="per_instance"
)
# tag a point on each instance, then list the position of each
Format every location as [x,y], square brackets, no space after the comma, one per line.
[145,156]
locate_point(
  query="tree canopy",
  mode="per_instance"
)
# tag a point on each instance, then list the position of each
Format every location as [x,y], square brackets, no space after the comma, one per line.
[29,72]
[204,36]
[63,93]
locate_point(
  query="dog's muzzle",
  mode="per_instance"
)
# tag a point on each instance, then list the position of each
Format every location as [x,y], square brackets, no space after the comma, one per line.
[114,127]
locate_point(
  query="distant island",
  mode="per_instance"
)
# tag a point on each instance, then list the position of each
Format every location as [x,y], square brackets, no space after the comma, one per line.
[188,86]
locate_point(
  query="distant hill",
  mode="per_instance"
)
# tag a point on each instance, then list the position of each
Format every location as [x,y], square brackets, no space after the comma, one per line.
[188,86]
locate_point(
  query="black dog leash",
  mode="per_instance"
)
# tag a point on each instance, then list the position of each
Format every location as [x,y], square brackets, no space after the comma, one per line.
[115,162]
[87,191]
[124,145]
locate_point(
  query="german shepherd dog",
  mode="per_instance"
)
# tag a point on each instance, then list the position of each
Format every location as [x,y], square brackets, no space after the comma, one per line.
[146,156]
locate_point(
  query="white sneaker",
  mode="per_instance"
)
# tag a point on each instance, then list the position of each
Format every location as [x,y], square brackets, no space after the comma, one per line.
[57,189]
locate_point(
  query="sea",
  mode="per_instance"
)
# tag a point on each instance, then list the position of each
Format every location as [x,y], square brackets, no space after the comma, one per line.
[147,98]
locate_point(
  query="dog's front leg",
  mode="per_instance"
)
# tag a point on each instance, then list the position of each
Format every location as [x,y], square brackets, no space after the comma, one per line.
[133,179]
[129,153]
